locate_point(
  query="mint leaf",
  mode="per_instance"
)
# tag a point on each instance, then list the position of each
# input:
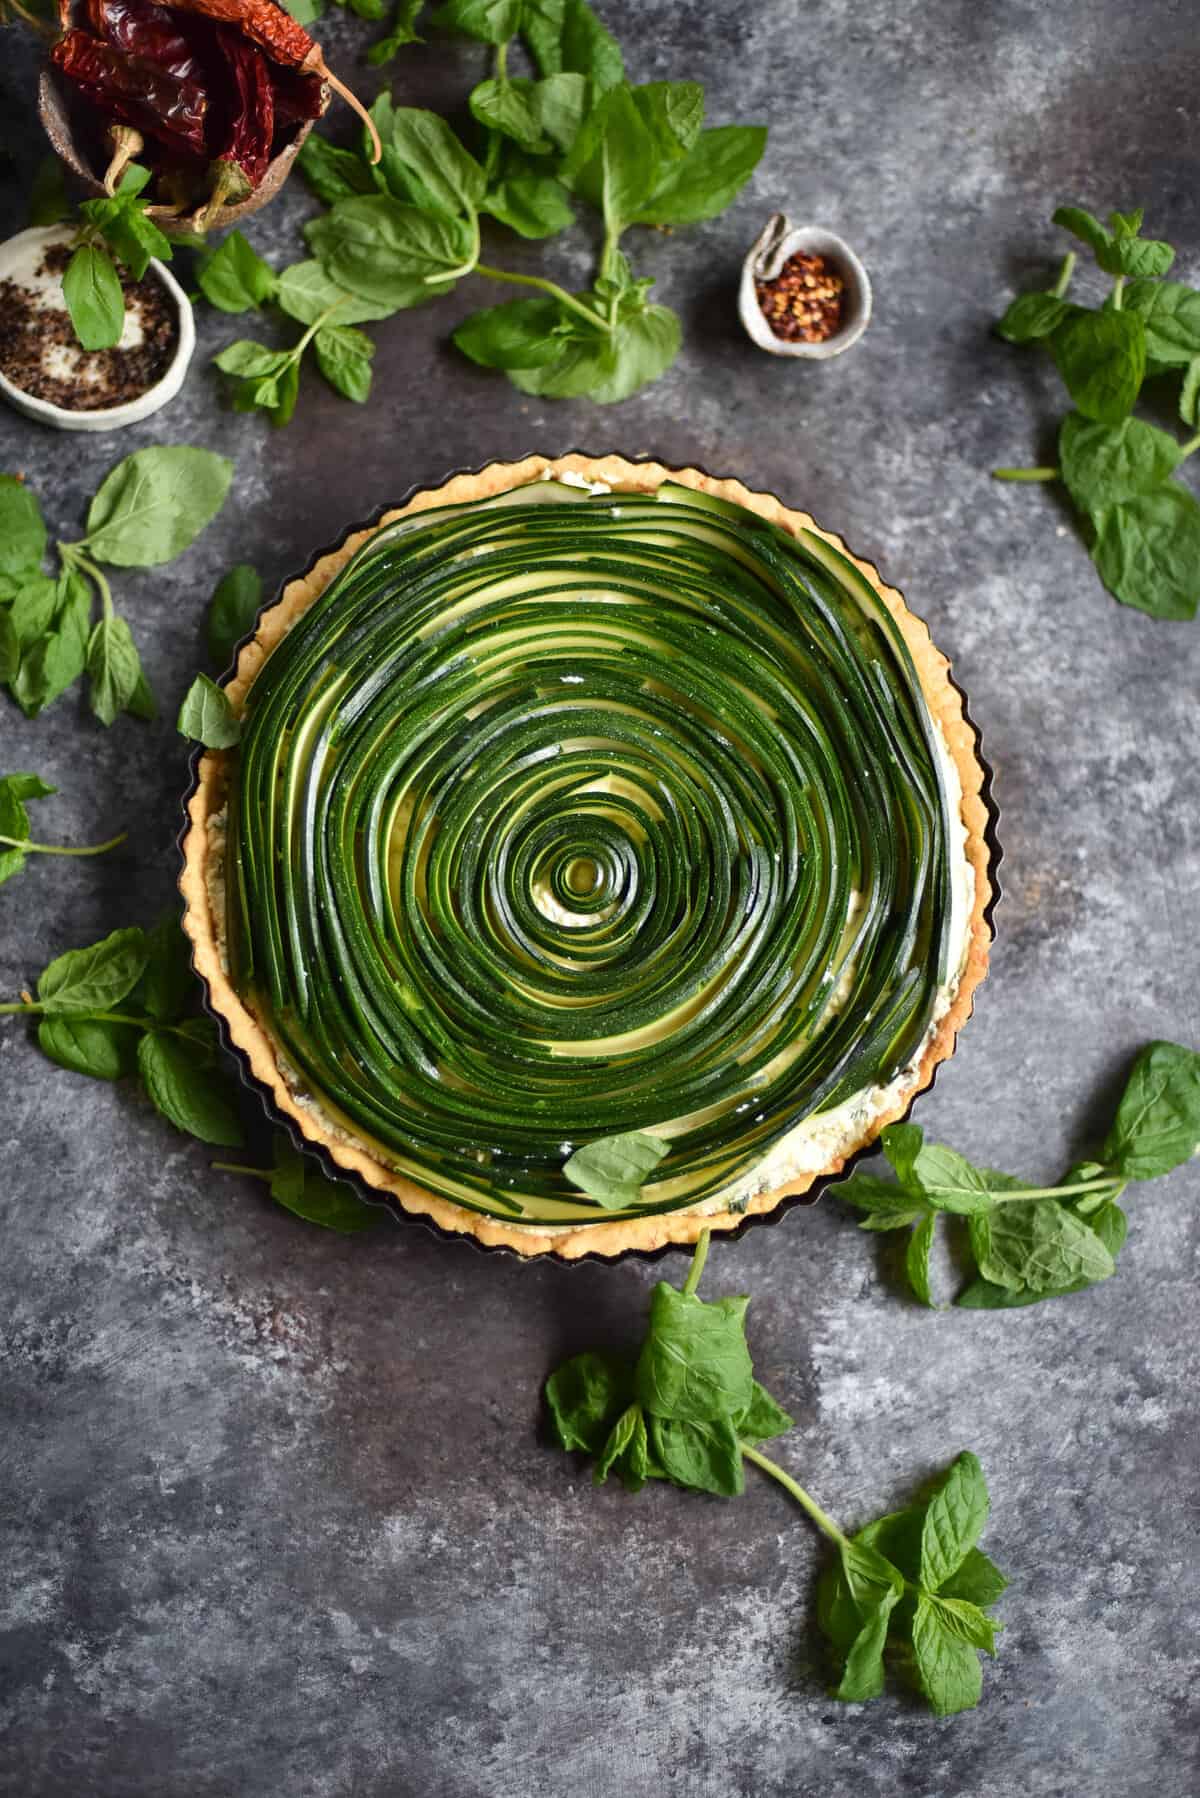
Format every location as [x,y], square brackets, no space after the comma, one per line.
[192,1096]
[1032,316]
[1147,552]
[1170,313]
[566,37]
[695,1366]
[966,1621]
[978,1580]
[707,179]
[1038,1245]
[168,982]
[344,358]
[916,1260]
[206,715]
[1083,225]
[232,612]
[947,1667]
[612,1168]
[1157,1126]
[1101,356]
[954,1520]
[584,1396]
[862,1677]
[488,21]
[96,978]
[114,669]
[1105,464]
[1141,256]
[887,1205]
[950,1182]
[304,1190]
[92,1046]
[152,505]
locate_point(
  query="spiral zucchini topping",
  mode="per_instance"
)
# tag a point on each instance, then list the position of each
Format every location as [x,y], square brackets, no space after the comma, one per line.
[562,816]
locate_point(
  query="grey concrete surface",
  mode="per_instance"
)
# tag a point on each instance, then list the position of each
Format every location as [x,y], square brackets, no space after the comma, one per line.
[277,1516]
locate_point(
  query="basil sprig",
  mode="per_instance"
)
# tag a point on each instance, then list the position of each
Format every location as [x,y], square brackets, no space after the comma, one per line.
[1030,1243]
[16,831]
[550,821]
[115,228]
[573,131]
[147,510]
[1142,525]
[913,1584]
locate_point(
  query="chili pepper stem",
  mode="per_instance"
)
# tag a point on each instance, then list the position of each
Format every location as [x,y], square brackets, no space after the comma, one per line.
[230,187]
[126,144]
[316,62]
[63,849]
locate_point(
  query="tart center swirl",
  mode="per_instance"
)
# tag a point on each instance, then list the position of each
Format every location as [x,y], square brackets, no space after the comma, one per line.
[561,815]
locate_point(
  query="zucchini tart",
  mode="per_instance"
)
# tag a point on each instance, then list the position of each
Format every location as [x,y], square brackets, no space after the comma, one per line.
[581,800]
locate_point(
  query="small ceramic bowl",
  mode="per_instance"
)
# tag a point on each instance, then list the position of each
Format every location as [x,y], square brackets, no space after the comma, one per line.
[779,240]
[19,258]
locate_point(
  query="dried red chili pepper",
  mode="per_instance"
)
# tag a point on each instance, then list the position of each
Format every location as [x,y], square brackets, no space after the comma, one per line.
[171,110]
[297,96]
[246,123]
[277,34]
[139,28]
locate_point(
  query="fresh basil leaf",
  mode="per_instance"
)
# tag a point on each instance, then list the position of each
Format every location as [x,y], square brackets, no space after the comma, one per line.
[1170,313]
[1039,1245]
[248,360]
[390,253]
[132,237]
[584,1396]
[95,978]
[488,21]
[48,201]
[977,1581]
[153,504]
[206,715]
[695,1365]
[344,358]
[234,278]
[704,1456]
[58,658]
[22,528]
[1189,393]
[92,1046]
[673,113]
[1083,225]
[707,179]
[625,1449]
[15,789]
[426,146]
[305,293]
[510,107]
[948,1668]
[94,297]
[1147,551]
[191,1096]
[1157,1126]
[168,983]
[32,609]
[862,1677]
[114,669]
[333,174]
[1032,316]
[916,1259]
[306,1192]
[518,334]
[1144,257]
[966,1621]
[612,1168]
[561,103]
[404,31]
[232,612]
[1104,464]
[566,37]
[10,647]
[534,206]
[1126,224]
[762,1418]
[613,162]
[608,368]
[1101,357]
[954,1520]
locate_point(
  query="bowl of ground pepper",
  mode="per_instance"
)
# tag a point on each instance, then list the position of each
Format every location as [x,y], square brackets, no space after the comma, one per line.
[44,370]
[803,292]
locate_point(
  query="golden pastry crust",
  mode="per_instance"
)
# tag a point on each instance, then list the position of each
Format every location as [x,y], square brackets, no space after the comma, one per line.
[204,923]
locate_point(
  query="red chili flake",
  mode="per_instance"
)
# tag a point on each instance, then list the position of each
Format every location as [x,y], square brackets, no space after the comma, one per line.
[805,301]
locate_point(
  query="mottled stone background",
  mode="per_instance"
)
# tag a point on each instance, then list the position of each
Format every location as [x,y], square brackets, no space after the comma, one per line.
[278,1518]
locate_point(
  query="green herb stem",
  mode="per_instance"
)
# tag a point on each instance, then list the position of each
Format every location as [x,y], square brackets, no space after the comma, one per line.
[697,1268]
[1021,1194]
[470,266]
[62,849]
[1189,448]
[502,61]
[551,287]
[821,1518]
[239,1167]
[1118,293]
[1064,275]
[1024,474]
[34,1008]
[73,557]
